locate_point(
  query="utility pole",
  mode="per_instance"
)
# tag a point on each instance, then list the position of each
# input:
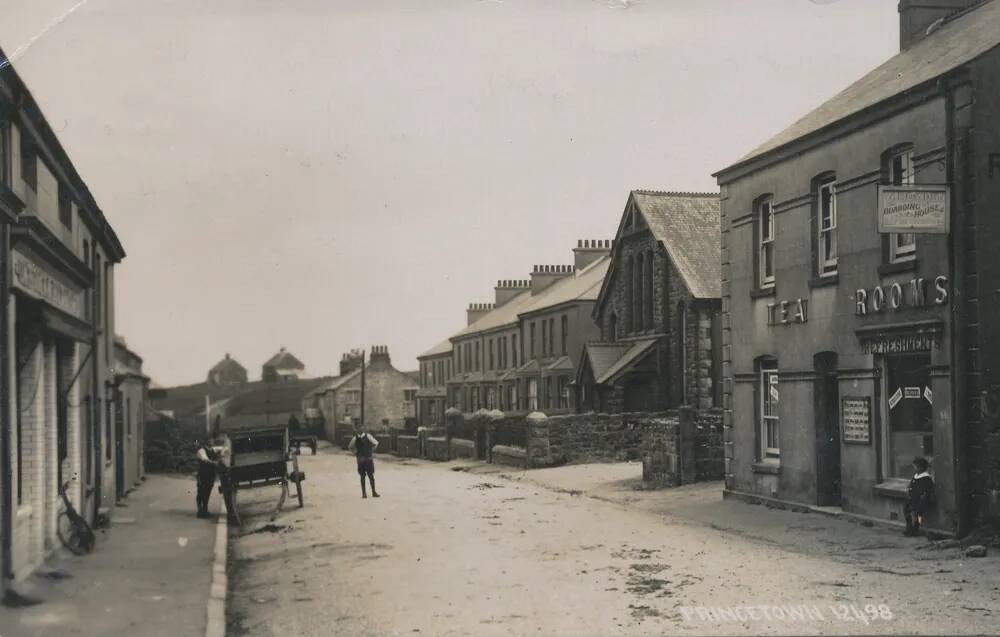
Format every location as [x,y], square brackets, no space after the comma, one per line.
[362,390]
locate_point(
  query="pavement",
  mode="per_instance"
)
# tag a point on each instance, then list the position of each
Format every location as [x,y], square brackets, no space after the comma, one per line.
[464,548]
[150,573]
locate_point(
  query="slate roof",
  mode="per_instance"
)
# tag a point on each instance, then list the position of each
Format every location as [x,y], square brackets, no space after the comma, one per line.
[637,350]
[688,227]
[601,356]
[957,41]
[441,348]
[563,363]
[335,383]
[284,360]
[583,285]
[506,314]
[224,363]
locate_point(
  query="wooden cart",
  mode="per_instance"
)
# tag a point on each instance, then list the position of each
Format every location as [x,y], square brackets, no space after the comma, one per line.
[260,457]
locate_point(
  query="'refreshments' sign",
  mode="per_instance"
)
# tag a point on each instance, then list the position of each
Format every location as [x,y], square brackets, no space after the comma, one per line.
[36,281]
[914,209]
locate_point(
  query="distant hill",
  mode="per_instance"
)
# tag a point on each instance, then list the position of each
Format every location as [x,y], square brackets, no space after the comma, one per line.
[258,397]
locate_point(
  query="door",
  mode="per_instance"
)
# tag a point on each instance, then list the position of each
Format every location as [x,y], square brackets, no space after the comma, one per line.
[827,415]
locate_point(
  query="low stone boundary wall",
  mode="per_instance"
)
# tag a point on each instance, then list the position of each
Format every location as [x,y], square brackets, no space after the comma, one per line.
[436,449]
[407,446]
[461,448]
[511,456]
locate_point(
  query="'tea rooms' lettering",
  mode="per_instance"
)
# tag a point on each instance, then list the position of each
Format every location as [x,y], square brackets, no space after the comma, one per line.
[896,296]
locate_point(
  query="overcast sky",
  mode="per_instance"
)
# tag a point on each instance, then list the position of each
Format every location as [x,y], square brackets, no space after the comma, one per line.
[329,174]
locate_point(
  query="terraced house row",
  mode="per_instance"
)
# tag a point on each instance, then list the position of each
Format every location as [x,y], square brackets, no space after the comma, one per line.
[73,393]
[612,331]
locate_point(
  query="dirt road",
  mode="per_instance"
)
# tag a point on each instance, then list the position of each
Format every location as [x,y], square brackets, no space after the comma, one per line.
[458,553]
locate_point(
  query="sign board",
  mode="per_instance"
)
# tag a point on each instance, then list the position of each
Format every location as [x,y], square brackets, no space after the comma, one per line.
[856,416]
[895,398]
[898,344]
[36,281]
[916,209]
[911,392]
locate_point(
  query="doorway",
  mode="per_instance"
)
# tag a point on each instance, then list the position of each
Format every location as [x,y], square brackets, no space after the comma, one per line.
[827,414]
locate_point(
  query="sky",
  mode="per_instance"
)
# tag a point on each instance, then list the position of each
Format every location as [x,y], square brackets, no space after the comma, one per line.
[330,174]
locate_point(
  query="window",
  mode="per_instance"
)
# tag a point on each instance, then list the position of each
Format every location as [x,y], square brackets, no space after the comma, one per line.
[409,395]
[827,216]
[564,328]
[478,368]
[549,393]
[97,287]
[491,398]
[629,314]
[769,424]
[637,294]
[613,328]
[5,159]
[648,290]
[513,350]
[545,339]
[907,399]
[29,164]
[65,207]
[533,394]
[491,353]
[552,336]
[531,348]
[765,219]
[902,245]
[563,393]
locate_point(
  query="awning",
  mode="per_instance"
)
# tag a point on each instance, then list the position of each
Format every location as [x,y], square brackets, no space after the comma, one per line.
[60,323]
[632,356]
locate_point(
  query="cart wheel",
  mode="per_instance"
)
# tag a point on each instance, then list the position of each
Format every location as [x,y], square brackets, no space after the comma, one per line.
[298,480]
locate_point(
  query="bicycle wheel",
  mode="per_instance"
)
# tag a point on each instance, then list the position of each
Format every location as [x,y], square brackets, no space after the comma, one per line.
[72,536]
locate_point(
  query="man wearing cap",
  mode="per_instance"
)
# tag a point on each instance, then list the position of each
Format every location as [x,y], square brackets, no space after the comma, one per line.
[363,445]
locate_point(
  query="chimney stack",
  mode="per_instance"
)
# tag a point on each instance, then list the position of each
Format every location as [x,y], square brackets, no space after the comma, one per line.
[477,311]
[378,357]
[542,276]
[350,361]
[589,250]
[916,17]
[509,288]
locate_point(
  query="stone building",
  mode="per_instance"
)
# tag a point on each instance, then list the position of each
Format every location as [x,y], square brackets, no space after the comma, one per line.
[520,352]
[859,284]
[390,397]
[227,372]
[432,396]
[57,307]
[658,345]
[283,367]
[131,394]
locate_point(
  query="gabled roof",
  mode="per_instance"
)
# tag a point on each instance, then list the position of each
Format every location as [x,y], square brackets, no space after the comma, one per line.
[687,225]
[284,360]
[957,41]
[443,347]
[335,383]
[632,355]
[563,363]
[601,356]
[584,285]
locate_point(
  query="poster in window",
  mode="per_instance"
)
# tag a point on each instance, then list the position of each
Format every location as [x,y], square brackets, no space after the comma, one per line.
[856,426]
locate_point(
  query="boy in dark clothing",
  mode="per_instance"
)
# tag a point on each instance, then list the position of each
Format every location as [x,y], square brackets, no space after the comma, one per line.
[363,445]
[207,458]
[921,490]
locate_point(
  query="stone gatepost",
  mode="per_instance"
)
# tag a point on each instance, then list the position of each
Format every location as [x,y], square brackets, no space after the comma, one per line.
[687,446]
[452,420]
[539,452]
[660,453]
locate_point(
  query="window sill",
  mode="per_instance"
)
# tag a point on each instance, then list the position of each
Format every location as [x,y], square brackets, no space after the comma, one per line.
[760,293]
[824,281]
[892,488]
[899,266]
[771,467]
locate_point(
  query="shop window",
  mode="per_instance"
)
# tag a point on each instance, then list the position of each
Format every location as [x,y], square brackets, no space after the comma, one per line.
[899,172]
[533,394]
[908,399]
[826,210]
[768,397]
[764,217]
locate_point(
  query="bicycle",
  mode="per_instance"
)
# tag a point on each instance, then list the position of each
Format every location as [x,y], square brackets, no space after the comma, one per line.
[72,529]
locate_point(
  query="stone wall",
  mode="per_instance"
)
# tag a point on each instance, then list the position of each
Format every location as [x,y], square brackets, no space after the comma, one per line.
[593,437]
[709,456]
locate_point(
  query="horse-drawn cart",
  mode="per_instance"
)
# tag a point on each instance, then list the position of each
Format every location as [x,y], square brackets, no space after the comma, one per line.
[260,456]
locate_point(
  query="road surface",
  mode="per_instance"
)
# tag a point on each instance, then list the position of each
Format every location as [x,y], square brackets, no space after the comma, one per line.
[447,552]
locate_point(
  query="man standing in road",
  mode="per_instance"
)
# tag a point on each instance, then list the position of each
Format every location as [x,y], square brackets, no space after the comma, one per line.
[207,459]
[363,445]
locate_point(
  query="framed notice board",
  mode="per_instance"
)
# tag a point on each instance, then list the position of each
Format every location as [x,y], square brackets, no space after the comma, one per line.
[856,419]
